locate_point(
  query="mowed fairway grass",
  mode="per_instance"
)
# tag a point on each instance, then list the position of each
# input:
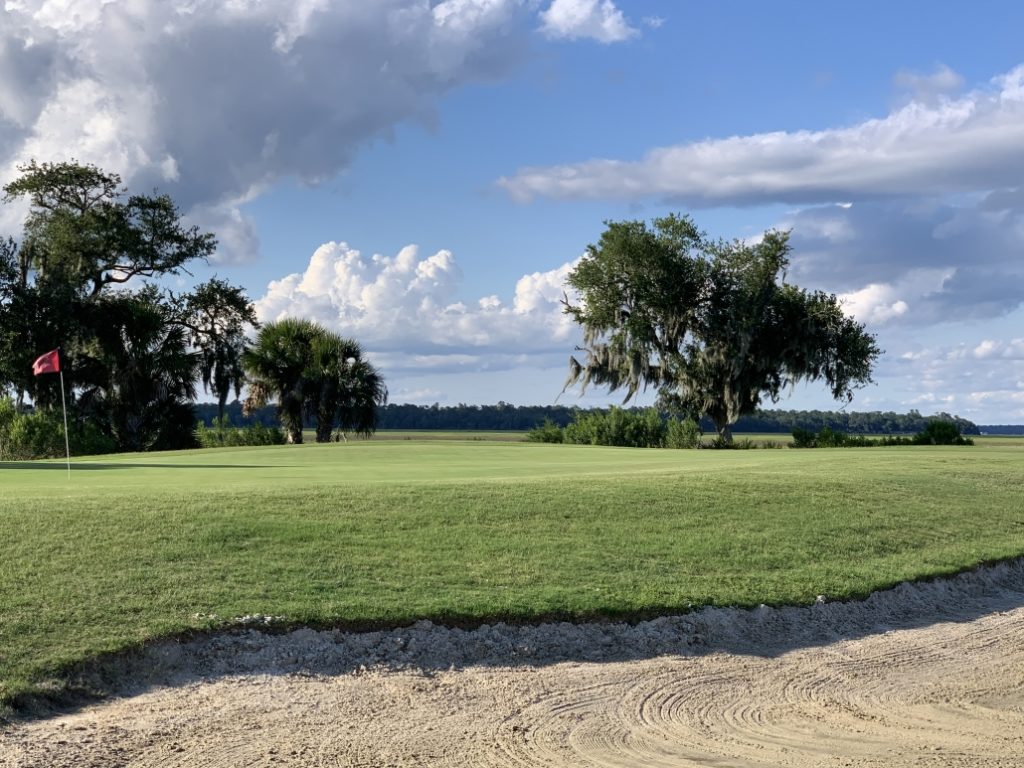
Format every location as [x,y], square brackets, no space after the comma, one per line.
[379,533]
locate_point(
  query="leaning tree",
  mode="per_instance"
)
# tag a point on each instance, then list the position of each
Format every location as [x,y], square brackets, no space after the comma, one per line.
[713,325]
[84,230]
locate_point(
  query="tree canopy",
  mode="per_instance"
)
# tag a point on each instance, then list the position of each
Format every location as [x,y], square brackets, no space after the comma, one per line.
[216,316]
[84,230]
[131,354]
[713,325]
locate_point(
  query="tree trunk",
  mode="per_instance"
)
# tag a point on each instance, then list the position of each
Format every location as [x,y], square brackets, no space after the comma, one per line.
[294,434]
[324,423]
[724,430]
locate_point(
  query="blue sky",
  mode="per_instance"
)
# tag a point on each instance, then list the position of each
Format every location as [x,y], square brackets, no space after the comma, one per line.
[477,146]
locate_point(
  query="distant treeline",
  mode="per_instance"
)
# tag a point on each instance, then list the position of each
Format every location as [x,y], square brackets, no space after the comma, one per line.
[504,416]
[1001,429]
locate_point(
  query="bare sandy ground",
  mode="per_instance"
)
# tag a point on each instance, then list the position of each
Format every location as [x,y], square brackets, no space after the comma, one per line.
[922,675]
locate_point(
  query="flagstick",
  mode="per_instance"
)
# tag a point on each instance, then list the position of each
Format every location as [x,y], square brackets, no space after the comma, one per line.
[64,405]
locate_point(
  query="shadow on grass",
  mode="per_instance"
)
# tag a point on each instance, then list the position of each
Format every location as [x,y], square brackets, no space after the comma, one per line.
[445,642]
[95,465]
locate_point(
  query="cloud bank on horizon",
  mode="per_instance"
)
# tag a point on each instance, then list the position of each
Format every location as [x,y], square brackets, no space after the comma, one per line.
[902,257]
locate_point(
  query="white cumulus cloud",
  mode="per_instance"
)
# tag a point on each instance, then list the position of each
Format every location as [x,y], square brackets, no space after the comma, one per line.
[404,309]
[880,303]
[596,19]
[874,303]
[980,380]
[991,349]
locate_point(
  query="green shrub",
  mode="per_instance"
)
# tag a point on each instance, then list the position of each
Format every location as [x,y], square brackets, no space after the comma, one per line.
[630,429]
[651,429]
[585,429]
[221,434]
[548,432]
[743,444]
[941,432]
[40,435]
[8,413]
[937,432]
[33,436]
[827,438]
[890,440]
[260,434]
[212,436]
[682,433]
[859,441]
[803,438]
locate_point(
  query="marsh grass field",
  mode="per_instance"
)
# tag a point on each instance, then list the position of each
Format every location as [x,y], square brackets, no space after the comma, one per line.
[380,533]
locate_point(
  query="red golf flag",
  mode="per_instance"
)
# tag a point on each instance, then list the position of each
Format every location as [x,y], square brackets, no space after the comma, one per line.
[48,363]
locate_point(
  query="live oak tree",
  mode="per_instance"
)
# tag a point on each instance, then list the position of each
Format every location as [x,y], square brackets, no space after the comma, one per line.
[86,231]
[713,325]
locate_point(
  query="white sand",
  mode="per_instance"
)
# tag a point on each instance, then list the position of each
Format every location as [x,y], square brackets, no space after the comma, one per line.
[921,675]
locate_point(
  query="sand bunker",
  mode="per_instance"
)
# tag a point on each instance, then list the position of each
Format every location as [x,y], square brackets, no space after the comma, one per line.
[922,675]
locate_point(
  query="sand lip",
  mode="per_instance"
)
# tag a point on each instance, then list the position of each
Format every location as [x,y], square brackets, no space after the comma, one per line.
[428,647]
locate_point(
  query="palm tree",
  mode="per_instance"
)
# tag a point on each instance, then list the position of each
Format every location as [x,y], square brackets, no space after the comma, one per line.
[216,315]
[139,376]
[343,388]
[277,366]
[315,373]
[221,370]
